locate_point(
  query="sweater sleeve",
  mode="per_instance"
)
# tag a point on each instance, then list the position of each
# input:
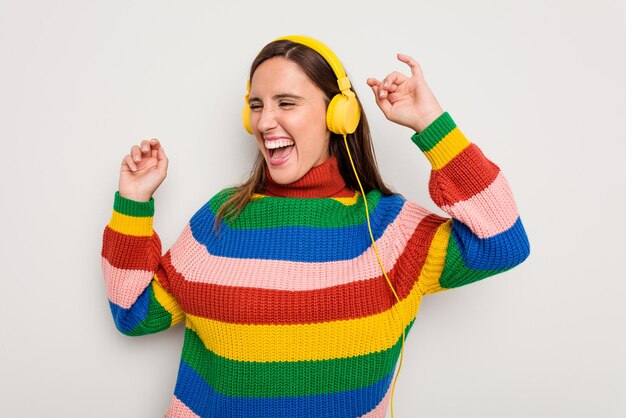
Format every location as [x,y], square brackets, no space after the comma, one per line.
[485,235]
[136,280]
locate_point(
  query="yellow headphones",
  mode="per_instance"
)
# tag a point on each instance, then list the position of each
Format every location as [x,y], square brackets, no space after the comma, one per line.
[343,113]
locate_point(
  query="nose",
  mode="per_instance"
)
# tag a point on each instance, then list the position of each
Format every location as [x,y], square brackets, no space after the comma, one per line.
[267,119]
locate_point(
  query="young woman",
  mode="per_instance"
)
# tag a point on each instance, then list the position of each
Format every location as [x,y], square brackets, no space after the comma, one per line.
[295,301]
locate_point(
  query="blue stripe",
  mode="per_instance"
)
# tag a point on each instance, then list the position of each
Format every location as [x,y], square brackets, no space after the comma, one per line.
[502,251]
[202,399]
[127,320]
[295,243]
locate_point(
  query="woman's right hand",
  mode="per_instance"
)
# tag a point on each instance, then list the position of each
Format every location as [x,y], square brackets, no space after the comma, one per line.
[143,171]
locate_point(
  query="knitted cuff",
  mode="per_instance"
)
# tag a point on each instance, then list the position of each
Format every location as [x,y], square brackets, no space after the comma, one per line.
[131,217]
[133,207]
[441,141]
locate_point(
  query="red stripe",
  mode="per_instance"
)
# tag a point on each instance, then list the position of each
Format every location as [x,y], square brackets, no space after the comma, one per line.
[162,273]
[131,252]
[466,175]
[269,306]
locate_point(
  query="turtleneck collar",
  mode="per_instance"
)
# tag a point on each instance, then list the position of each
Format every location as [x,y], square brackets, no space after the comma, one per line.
[323,180]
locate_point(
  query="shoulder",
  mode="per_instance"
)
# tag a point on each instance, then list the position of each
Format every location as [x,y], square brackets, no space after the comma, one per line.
[395,200]
[221,197]
[383,209]
[406,214]
[378,199]
[214,203]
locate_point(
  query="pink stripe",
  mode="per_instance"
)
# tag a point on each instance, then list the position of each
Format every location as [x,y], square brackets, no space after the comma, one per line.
[178,409]
[381,409]
[124,286]
[489,212]
[192,260]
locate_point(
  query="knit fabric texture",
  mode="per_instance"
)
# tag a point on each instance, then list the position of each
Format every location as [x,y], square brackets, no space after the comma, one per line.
[287,312]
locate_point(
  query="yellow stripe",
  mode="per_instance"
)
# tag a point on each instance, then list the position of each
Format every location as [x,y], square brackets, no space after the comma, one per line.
[131,225]
[348,201]
[446,149]
[168,302]
[302,342]
[435,260]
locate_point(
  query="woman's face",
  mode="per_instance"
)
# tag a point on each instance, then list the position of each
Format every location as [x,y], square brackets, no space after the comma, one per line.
[288,119]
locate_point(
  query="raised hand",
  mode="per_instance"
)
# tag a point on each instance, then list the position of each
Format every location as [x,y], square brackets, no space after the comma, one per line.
[143,170]
[407,101]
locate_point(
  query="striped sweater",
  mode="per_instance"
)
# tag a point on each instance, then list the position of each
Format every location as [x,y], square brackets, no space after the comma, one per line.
[287,313]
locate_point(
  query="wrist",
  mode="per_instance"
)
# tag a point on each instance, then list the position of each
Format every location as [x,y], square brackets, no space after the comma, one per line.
[424,120]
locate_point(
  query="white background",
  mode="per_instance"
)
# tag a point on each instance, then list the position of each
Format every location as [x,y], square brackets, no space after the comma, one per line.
[539,85]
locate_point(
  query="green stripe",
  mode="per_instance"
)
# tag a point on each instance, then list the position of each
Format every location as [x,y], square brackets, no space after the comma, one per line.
[435,132]
[456,273]
[313,212]
[276,379]
[158,318]
[132,207]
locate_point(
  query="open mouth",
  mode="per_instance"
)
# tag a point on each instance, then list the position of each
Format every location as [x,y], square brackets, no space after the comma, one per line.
[279,150]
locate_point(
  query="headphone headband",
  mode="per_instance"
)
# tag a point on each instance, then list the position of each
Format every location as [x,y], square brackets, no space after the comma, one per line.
[342,79]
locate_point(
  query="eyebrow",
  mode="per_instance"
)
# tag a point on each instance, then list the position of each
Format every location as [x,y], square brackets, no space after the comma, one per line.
[279,96]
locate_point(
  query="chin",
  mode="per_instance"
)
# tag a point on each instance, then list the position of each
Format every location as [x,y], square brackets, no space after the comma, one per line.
[284,176]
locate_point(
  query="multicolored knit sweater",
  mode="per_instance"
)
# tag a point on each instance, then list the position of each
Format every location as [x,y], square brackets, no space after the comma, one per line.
[286,310]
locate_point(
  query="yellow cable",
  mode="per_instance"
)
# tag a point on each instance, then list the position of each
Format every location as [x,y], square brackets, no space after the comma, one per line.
[369,227]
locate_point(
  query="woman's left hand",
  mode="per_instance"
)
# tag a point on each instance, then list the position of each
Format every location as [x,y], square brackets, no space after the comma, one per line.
[407,101]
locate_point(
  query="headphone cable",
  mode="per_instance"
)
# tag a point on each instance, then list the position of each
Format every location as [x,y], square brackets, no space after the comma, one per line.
[400,308]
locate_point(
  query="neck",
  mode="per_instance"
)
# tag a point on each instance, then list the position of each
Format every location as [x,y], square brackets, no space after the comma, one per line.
[323,180]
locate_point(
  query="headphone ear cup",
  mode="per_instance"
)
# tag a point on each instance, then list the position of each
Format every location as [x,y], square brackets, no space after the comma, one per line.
[343,115]
[245,118]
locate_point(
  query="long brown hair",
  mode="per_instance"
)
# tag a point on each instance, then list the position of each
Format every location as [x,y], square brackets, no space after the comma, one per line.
[360,142]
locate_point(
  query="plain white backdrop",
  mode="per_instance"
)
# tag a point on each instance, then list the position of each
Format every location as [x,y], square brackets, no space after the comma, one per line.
[538,85]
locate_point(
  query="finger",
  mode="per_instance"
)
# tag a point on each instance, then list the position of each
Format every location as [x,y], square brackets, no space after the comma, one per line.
[392,87]
[372,82]
[155,146]
[394,97]
[415,67]
[154,143]
[375,90]
[162,160]
[160,154]
[381,91]
[382,102]
[393,80]
[135,152]
[145,147]
[128,163]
